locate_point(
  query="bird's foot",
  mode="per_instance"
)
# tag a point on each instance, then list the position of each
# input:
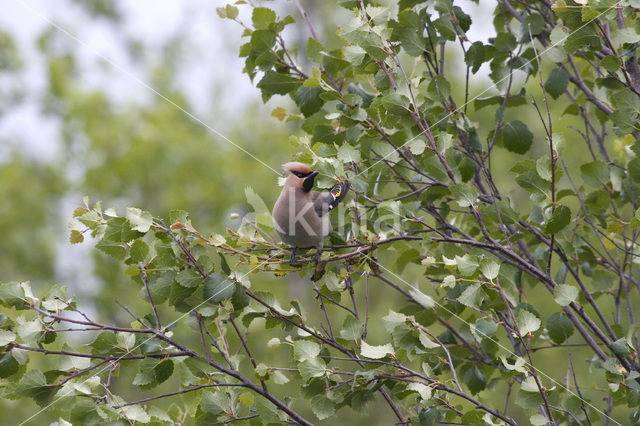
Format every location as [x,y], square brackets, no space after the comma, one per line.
[316,257]
[294,259]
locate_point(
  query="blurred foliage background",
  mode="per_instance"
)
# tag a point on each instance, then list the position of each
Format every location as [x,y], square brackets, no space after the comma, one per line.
[91,93]
[98,111]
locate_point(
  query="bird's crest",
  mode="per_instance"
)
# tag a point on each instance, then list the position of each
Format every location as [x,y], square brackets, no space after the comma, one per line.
[296,166]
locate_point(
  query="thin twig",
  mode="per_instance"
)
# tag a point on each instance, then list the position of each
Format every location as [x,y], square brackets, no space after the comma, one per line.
[324,310]
[202,340]
[183,391]
[446,351]
[246,349]
[145,280]
[549,131]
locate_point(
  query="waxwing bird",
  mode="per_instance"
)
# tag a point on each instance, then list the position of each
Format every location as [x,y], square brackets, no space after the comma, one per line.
[300,215]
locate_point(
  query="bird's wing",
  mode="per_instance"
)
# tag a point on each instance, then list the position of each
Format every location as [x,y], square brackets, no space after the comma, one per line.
[324,202]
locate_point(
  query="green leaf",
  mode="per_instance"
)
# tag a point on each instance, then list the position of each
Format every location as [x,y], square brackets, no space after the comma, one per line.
[354,54]
[274,83]
[351,329]
[622,347]
[406,257]
[314,50]
[422,299]
[308,99]
[7,337]
[247,399]
[467,265]
[426,341]
[535,22]
[217,288]
[465,194]
[473,417]
[614,367]
[470,296]
[559,219]
[76,237]
[138,251]
[135,414]
[262,17]
[595,173]
[262,371]
[597,202]
[34,385]
[505,42]
[231,11]
[113,249]
[564,294]
[279,378]
[417,146]
[240,299]
[517,137]
[633,168]
[376,352]
[119,231]
[611,63]
[312,368]
[527,322]
[91,219]
[153,372]
[29,331]
[104,344]
[528,400]
[189,278]
[422,389]
[160,284]
[518,365]
[475,379]
[513,101]
[557,82]
[411,40]
[392,320]
[54,304]
[489,268]
[126,340]
[187,378]
[8,365]
[475,56]
[305,350]
[348,154]
[581,38]
[445,27]
[12,295]
[140,220]
[538,420]
[322,407]
[485,327]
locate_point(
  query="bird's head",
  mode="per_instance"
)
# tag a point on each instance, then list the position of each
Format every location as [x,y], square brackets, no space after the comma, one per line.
[300,175]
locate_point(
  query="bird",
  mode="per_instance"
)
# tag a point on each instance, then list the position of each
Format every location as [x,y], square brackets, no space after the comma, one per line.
[301,216]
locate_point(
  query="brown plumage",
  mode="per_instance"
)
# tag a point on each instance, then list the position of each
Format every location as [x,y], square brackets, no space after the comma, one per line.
[300,214]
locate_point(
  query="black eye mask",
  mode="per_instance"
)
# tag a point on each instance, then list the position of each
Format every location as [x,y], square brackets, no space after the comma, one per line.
[307,183]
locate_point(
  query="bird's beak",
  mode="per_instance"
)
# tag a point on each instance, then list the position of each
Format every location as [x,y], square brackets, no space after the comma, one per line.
[308,182]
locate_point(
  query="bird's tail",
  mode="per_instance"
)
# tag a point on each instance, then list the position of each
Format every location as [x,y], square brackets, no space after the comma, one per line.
[339,192]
